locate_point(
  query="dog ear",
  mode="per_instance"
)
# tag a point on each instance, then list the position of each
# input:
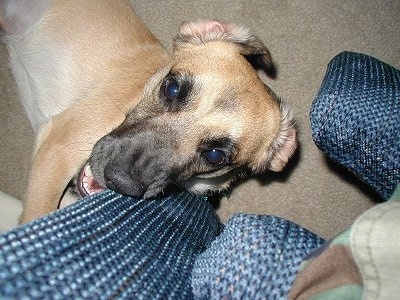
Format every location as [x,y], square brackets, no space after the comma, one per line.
[202,31]
[283,146]
[16,16]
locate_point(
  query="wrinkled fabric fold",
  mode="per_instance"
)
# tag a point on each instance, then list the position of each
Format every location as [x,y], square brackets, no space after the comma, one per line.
[108,246]
[355,119]
[255,257]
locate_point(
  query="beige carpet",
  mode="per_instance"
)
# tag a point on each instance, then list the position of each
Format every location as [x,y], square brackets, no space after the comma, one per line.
[302,36]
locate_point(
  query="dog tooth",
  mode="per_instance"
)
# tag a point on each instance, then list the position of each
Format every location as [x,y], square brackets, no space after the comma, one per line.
[88,171]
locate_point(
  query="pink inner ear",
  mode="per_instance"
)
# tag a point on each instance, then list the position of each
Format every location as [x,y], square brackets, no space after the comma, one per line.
[202,28]
[214,26]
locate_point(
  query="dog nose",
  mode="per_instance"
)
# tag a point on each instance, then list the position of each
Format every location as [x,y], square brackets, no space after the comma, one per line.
[138,164]
[122,182]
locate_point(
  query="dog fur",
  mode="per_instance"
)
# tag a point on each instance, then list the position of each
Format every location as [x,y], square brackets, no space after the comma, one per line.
[101,91]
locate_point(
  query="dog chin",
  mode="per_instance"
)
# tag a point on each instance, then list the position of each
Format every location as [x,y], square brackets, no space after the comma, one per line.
[201,186]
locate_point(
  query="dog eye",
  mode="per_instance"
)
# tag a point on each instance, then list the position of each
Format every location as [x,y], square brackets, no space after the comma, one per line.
[171,89]
[215,156]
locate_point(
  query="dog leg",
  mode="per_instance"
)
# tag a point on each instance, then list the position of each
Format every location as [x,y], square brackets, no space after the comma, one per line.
[79,66]
[64,146]
[45,185]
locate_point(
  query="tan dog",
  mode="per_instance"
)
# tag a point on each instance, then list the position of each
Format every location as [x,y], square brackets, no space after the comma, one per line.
[196,119]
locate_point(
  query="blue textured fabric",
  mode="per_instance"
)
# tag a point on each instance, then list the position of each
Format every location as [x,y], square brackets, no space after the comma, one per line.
[108,246]
[355,119]
[255,257]
[111,246]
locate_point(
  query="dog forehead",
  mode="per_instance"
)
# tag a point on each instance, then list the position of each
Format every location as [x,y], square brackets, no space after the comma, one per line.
[222,75]
[237,94]
[215,57]
[229,112]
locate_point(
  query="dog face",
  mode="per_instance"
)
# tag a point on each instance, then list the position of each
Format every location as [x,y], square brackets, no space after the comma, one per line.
[203,119]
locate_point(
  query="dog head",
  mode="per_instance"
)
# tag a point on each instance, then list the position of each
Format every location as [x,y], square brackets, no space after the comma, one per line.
[203,119]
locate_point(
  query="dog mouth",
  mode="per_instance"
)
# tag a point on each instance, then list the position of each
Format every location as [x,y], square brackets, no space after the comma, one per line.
[87,183]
